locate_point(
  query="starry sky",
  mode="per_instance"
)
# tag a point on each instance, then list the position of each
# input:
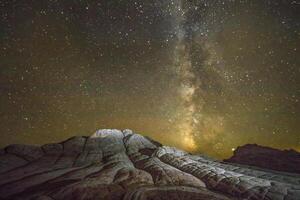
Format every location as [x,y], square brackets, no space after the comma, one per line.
[202,75]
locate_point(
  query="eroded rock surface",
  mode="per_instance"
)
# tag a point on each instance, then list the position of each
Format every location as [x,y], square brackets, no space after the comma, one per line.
[114,164]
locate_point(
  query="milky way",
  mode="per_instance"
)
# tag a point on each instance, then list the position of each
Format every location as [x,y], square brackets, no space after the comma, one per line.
[203,75]
[186,86]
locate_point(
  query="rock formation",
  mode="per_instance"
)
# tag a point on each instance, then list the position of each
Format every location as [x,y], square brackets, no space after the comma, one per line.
[115,164]
[268,158]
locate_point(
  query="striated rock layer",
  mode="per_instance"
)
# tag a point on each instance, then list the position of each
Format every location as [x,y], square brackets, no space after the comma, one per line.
[115,164]
[266,157]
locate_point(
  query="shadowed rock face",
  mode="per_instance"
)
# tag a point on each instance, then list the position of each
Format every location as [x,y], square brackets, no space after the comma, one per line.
[268,158]
[115,164]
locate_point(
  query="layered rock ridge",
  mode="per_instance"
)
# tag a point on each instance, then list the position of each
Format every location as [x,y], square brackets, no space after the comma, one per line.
[114,164]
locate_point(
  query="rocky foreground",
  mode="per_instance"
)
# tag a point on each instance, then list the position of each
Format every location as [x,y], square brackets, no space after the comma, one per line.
[115,164]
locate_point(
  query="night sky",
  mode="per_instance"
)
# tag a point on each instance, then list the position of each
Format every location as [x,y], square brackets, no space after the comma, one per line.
[203,75]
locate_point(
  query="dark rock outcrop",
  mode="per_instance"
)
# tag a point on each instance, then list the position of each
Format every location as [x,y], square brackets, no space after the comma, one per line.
[266,157]
[115,164]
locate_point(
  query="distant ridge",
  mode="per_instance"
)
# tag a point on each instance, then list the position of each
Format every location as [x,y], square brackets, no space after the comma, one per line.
[266,157]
